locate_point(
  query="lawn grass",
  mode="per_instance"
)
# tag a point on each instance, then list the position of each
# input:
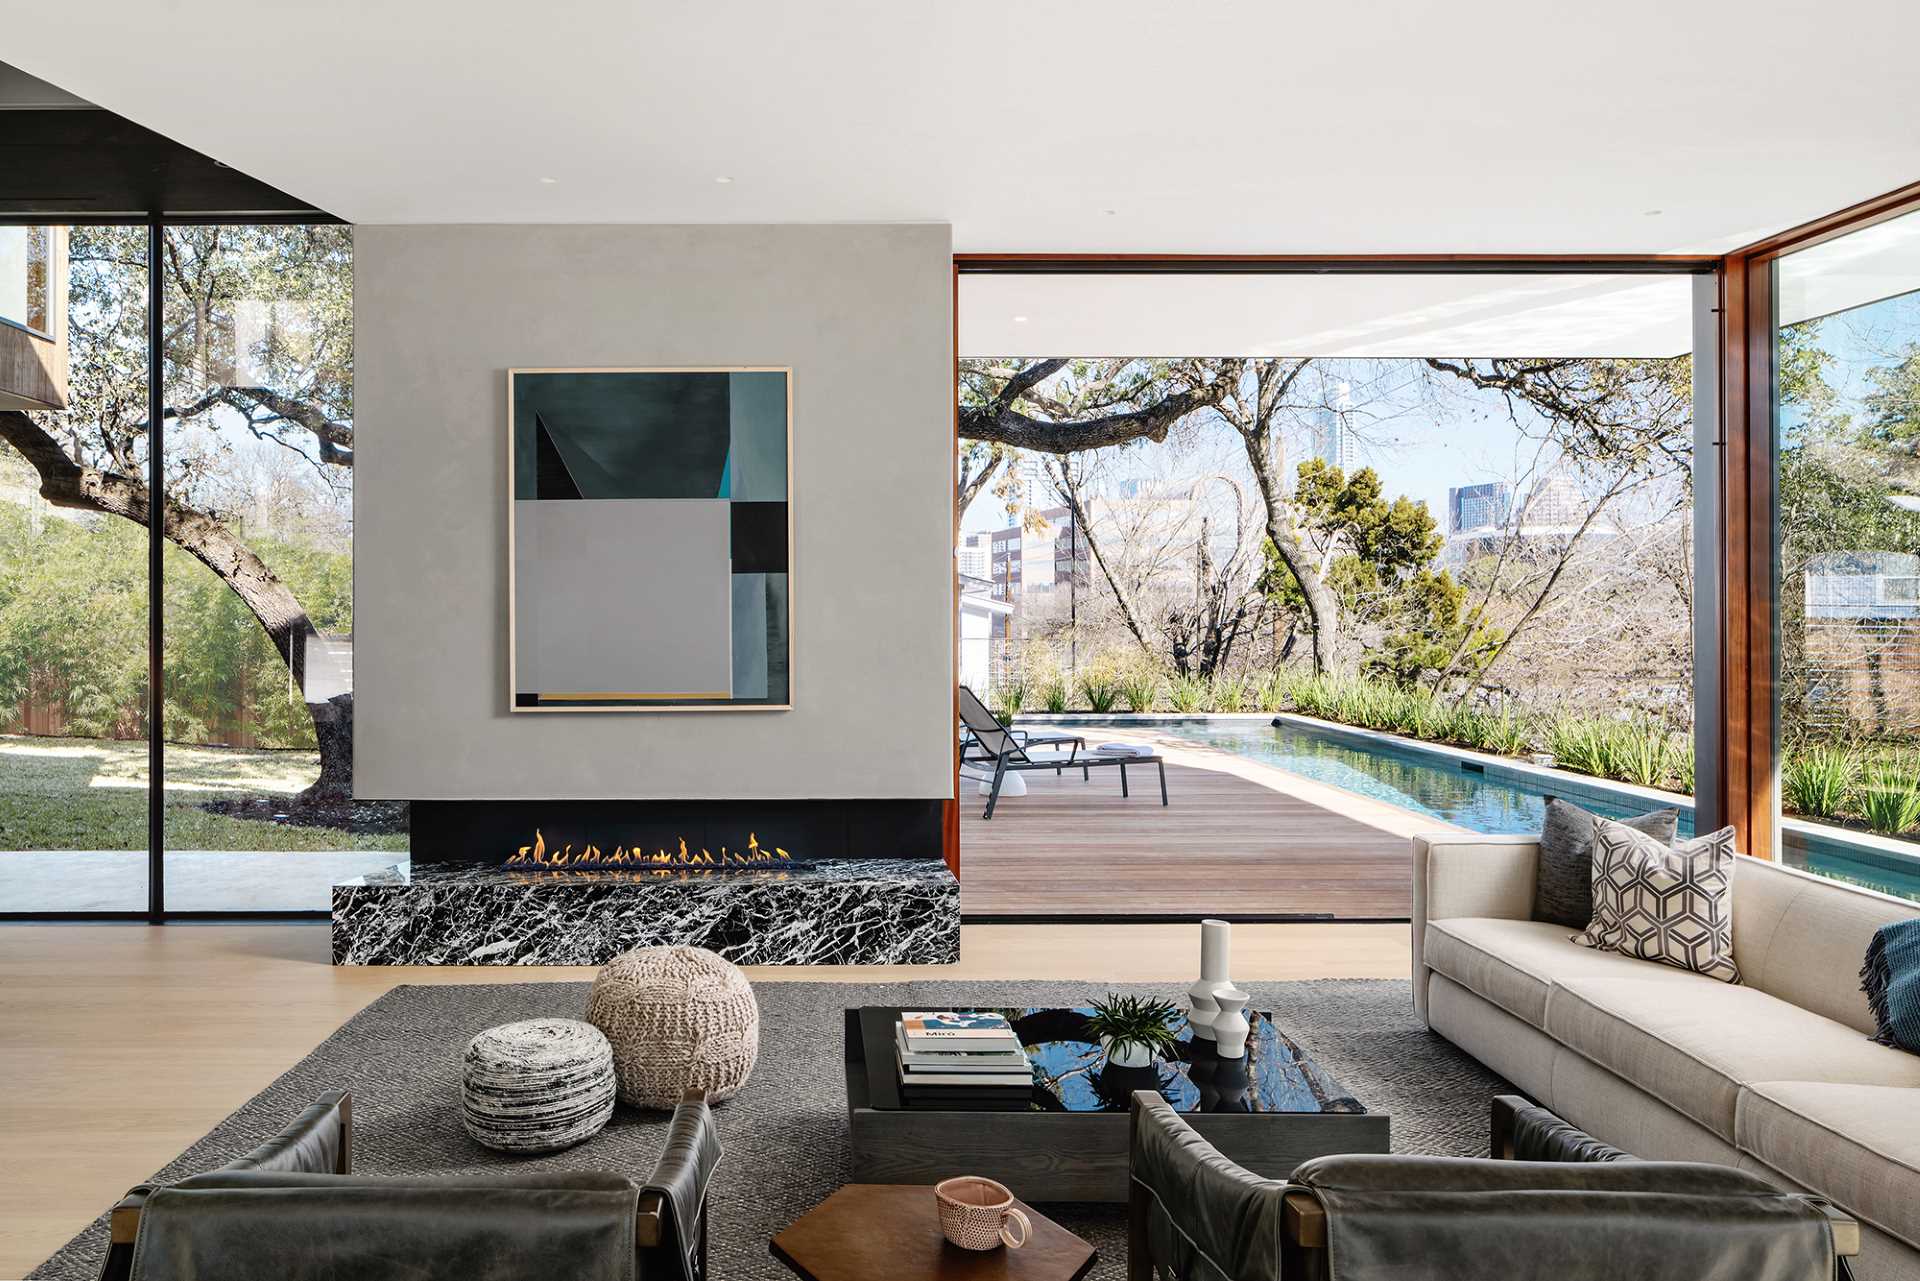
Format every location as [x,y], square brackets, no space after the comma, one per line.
[91,794]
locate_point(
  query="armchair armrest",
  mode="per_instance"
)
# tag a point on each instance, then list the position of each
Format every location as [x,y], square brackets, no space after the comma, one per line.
[319,1141]
[1467,874]
[1190,1210]
[673,1205]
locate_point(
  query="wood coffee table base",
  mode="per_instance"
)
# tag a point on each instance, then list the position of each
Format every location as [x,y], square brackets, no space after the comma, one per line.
[892,1230]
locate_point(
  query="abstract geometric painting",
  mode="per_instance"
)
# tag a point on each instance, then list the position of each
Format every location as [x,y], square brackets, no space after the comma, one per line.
[650,539]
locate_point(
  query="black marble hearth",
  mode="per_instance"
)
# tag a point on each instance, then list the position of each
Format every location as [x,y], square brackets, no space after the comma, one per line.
[836,912]
[809,882]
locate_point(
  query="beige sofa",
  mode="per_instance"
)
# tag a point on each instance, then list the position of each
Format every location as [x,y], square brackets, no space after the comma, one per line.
[1775,1075]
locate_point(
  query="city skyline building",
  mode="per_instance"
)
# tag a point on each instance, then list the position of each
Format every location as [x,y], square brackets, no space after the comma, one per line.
[1478,509]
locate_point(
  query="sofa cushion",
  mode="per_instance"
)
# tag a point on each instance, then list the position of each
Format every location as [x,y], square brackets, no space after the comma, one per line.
[1513,963]
[1858,1145]
[1563,881]
[1666,903]
[1802,937]
[1694,1045]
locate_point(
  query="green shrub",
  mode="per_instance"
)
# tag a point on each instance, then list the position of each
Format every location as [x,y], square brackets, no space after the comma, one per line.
[1274,691]
[1311,697]
[1140,687]
[1100,688]
[1816,778]
[1053,694]
[1188,694]
[1010,699]
[1228,693]
[1683,766]
[1581,744]
[1643,753]
[1502,734]
[1889,795]
[1430,719]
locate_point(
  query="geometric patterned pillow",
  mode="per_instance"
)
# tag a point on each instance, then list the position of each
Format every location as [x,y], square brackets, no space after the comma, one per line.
[1672,904]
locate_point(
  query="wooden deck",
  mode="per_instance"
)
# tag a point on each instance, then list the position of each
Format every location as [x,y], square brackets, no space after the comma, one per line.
[1239,839]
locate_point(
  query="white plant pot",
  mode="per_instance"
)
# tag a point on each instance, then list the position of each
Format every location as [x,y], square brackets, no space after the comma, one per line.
[1230,1026]
[1127,1054]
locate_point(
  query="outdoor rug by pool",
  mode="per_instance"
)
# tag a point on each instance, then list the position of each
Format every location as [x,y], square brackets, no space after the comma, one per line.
[785,1133]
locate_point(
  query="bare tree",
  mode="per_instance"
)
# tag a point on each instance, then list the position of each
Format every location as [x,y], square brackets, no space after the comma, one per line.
[1254,408]
[1621,426]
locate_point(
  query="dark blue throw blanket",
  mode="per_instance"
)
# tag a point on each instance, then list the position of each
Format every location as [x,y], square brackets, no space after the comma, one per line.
[1891,980]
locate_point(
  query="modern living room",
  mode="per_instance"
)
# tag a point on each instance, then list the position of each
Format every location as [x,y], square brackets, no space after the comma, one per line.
[610,664]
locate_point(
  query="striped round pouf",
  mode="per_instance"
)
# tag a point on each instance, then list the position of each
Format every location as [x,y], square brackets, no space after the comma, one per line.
[679,1018]
[537,1086]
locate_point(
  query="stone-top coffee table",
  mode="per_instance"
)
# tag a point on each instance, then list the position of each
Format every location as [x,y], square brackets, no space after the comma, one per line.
[1068,1140]
[867,1231]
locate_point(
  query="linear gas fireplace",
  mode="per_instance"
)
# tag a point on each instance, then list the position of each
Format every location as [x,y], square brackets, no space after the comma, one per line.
[815,882]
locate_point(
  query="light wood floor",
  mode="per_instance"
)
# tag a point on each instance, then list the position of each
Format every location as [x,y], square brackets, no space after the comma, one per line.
[1239,838]
[120,1045]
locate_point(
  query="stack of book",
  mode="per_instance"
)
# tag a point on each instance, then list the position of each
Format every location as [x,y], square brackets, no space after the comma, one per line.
[960,1059]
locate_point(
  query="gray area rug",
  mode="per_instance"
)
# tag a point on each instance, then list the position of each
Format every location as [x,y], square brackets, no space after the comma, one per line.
[785,1133]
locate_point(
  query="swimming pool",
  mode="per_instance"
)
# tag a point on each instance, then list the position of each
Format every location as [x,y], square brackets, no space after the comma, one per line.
[1494,798]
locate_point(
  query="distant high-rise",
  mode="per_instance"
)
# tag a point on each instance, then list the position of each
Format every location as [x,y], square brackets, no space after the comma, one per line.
[1331,438]
[974,556]
[1555,505]
[1477,509]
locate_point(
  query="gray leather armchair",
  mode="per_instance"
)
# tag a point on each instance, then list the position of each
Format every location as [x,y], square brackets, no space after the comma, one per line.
[1581,1211]
[292,1209]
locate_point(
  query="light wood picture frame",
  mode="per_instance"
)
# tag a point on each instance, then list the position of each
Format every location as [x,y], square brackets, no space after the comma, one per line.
[650,539]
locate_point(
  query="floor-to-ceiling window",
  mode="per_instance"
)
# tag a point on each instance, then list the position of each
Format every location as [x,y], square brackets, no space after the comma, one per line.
[1847,538]
[1452,510]
[73,598]
[253,584]
[259,570]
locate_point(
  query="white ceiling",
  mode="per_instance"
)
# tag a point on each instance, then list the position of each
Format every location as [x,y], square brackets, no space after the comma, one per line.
[1237,125]
[1325,315]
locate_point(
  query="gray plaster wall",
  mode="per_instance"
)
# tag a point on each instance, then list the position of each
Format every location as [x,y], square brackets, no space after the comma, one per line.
[862,313]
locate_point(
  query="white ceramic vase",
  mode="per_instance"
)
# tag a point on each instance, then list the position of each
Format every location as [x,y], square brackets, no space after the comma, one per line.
[1126,1054]
[1216,945]
[1230,1026]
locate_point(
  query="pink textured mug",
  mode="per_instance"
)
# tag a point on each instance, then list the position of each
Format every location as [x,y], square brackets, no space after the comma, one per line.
[979,1214]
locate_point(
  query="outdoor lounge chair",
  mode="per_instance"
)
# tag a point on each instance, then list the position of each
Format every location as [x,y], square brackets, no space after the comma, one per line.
[973,711]
[992,742]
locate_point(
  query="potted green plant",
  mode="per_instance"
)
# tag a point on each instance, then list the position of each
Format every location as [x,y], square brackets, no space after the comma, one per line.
[1133,1030]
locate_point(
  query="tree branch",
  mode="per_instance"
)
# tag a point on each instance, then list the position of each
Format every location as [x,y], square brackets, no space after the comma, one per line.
[999,422]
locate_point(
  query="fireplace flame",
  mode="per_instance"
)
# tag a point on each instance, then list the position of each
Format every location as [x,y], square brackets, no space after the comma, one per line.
[539,854]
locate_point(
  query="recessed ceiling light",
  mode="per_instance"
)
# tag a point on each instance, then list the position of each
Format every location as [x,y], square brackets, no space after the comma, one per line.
[549,181]
[1019,320]
[1110,212]
[723,180]
[1655,213]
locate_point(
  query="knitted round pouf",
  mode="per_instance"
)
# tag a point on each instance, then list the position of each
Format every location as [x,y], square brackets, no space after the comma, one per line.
[678,1018]
[537,1086]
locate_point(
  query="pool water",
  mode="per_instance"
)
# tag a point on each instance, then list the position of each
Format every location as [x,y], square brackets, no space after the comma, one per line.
[1441,789]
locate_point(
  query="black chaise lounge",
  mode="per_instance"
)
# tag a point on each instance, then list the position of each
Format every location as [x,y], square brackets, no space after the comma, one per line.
[990,741]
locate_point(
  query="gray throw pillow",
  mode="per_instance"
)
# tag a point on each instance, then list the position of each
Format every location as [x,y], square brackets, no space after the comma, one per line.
[1563,879]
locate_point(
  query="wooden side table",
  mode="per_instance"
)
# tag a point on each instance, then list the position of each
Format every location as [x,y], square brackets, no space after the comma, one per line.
[892,1230]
